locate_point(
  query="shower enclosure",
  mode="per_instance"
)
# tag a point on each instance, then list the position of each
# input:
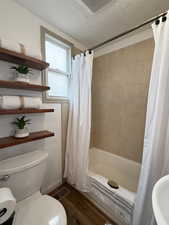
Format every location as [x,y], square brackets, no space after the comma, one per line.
[119,102]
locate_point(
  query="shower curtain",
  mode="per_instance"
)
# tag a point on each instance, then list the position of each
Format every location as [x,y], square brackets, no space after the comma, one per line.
[79,124]
[155,162]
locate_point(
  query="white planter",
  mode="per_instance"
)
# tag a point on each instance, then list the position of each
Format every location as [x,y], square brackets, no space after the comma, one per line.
[22,77]
[21,133]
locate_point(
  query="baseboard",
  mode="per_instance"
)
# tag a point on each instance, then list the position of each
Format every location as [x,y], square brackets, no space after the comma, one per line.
[51,188]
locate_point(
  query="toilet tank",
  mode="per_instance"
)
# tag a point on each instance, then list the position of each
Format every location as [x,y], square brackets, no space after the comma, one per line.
[23,174]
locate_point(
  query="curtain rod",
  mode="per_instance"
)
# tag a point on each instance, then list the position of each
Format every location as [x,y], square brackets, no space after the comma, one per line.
[130,30]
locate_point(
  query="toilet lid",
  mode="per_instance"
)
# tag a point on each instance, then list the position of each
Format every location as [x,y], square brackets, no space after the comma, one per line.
[43,210]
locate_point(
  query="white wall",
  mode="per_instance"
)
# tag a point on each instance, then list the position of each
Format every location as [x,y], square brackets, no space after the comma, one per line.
[47,121]
[125,41]
[18,24]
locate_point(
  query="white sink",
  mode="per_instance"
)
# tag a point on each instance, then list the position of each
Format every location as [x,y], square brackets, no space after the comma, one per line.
[160,200]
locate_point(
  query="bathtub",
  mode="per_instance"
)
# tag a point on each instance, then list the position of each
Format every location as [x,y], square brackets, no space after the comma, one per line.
[118,204]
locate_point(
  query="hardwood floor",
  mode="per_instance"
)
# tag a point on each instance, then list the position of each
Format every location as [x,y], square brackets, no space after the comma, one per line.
[80,211]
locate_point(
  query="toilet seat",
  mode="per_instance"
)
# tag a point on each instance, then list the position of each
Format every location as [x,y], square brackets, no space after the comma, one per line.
[40,210]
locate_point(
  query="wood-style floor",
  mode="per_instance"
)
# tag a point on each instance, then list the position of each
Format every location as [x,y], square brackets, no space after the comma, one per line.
[80,211]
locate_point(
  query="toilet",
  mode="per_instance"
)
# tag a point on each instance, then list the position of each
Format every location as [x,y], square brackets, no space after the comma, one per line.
[24,175]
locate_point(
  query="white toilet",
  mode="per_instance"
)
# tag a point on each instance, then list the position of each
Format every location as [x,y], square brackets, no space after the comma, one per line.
[24,175]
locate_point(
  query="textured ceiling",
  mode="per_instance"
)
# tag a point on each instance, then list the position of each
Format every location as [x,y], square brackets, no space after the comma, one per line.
[71,17]
[95,5]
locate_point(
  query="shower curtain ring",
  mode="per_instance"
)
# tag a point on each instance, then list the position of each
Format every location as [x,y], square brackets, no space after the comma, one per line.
[157,22]
[164,18]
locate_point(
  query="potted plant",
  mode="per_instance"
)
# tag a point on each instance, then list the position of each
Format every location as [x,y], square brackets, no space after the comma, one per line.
[21,73]
[21,131]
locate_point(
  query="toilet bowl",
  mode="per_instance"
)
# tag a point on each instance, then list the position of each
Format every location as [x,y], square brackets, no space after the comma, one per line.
[39,210]
[24,175]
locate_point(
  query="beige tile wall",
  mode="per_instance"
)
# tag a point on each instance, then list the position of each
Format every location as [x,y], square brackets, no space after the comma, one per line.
[120,88]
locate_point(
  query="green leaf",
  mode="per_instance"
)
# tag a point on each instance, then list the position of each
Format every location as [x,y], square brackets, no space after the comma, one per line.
[21,122]
[21,69]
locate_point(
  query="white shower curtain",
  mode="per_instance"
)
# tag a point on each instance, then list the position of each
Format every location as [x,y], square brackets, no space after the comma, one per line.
[155,162]
[79,124]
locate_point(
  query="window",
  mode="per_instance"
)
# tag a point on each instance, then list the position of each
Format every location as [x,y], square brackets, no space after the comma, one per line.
[58,54]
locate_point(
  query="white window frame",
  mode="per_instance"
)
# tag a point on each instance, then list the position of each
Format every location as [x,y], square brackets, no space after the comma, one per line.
[47,35]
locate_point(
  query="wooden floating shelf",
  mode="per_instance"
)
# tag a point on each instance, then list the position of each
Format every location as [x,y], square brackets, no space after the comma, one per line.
[21,59]
[22,85]
[11,141]
[24,111]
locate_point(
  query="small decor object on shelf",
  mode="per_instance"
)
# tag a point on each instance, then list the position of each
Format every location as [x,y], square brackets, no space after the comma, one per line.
[21,131]
[22,73]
